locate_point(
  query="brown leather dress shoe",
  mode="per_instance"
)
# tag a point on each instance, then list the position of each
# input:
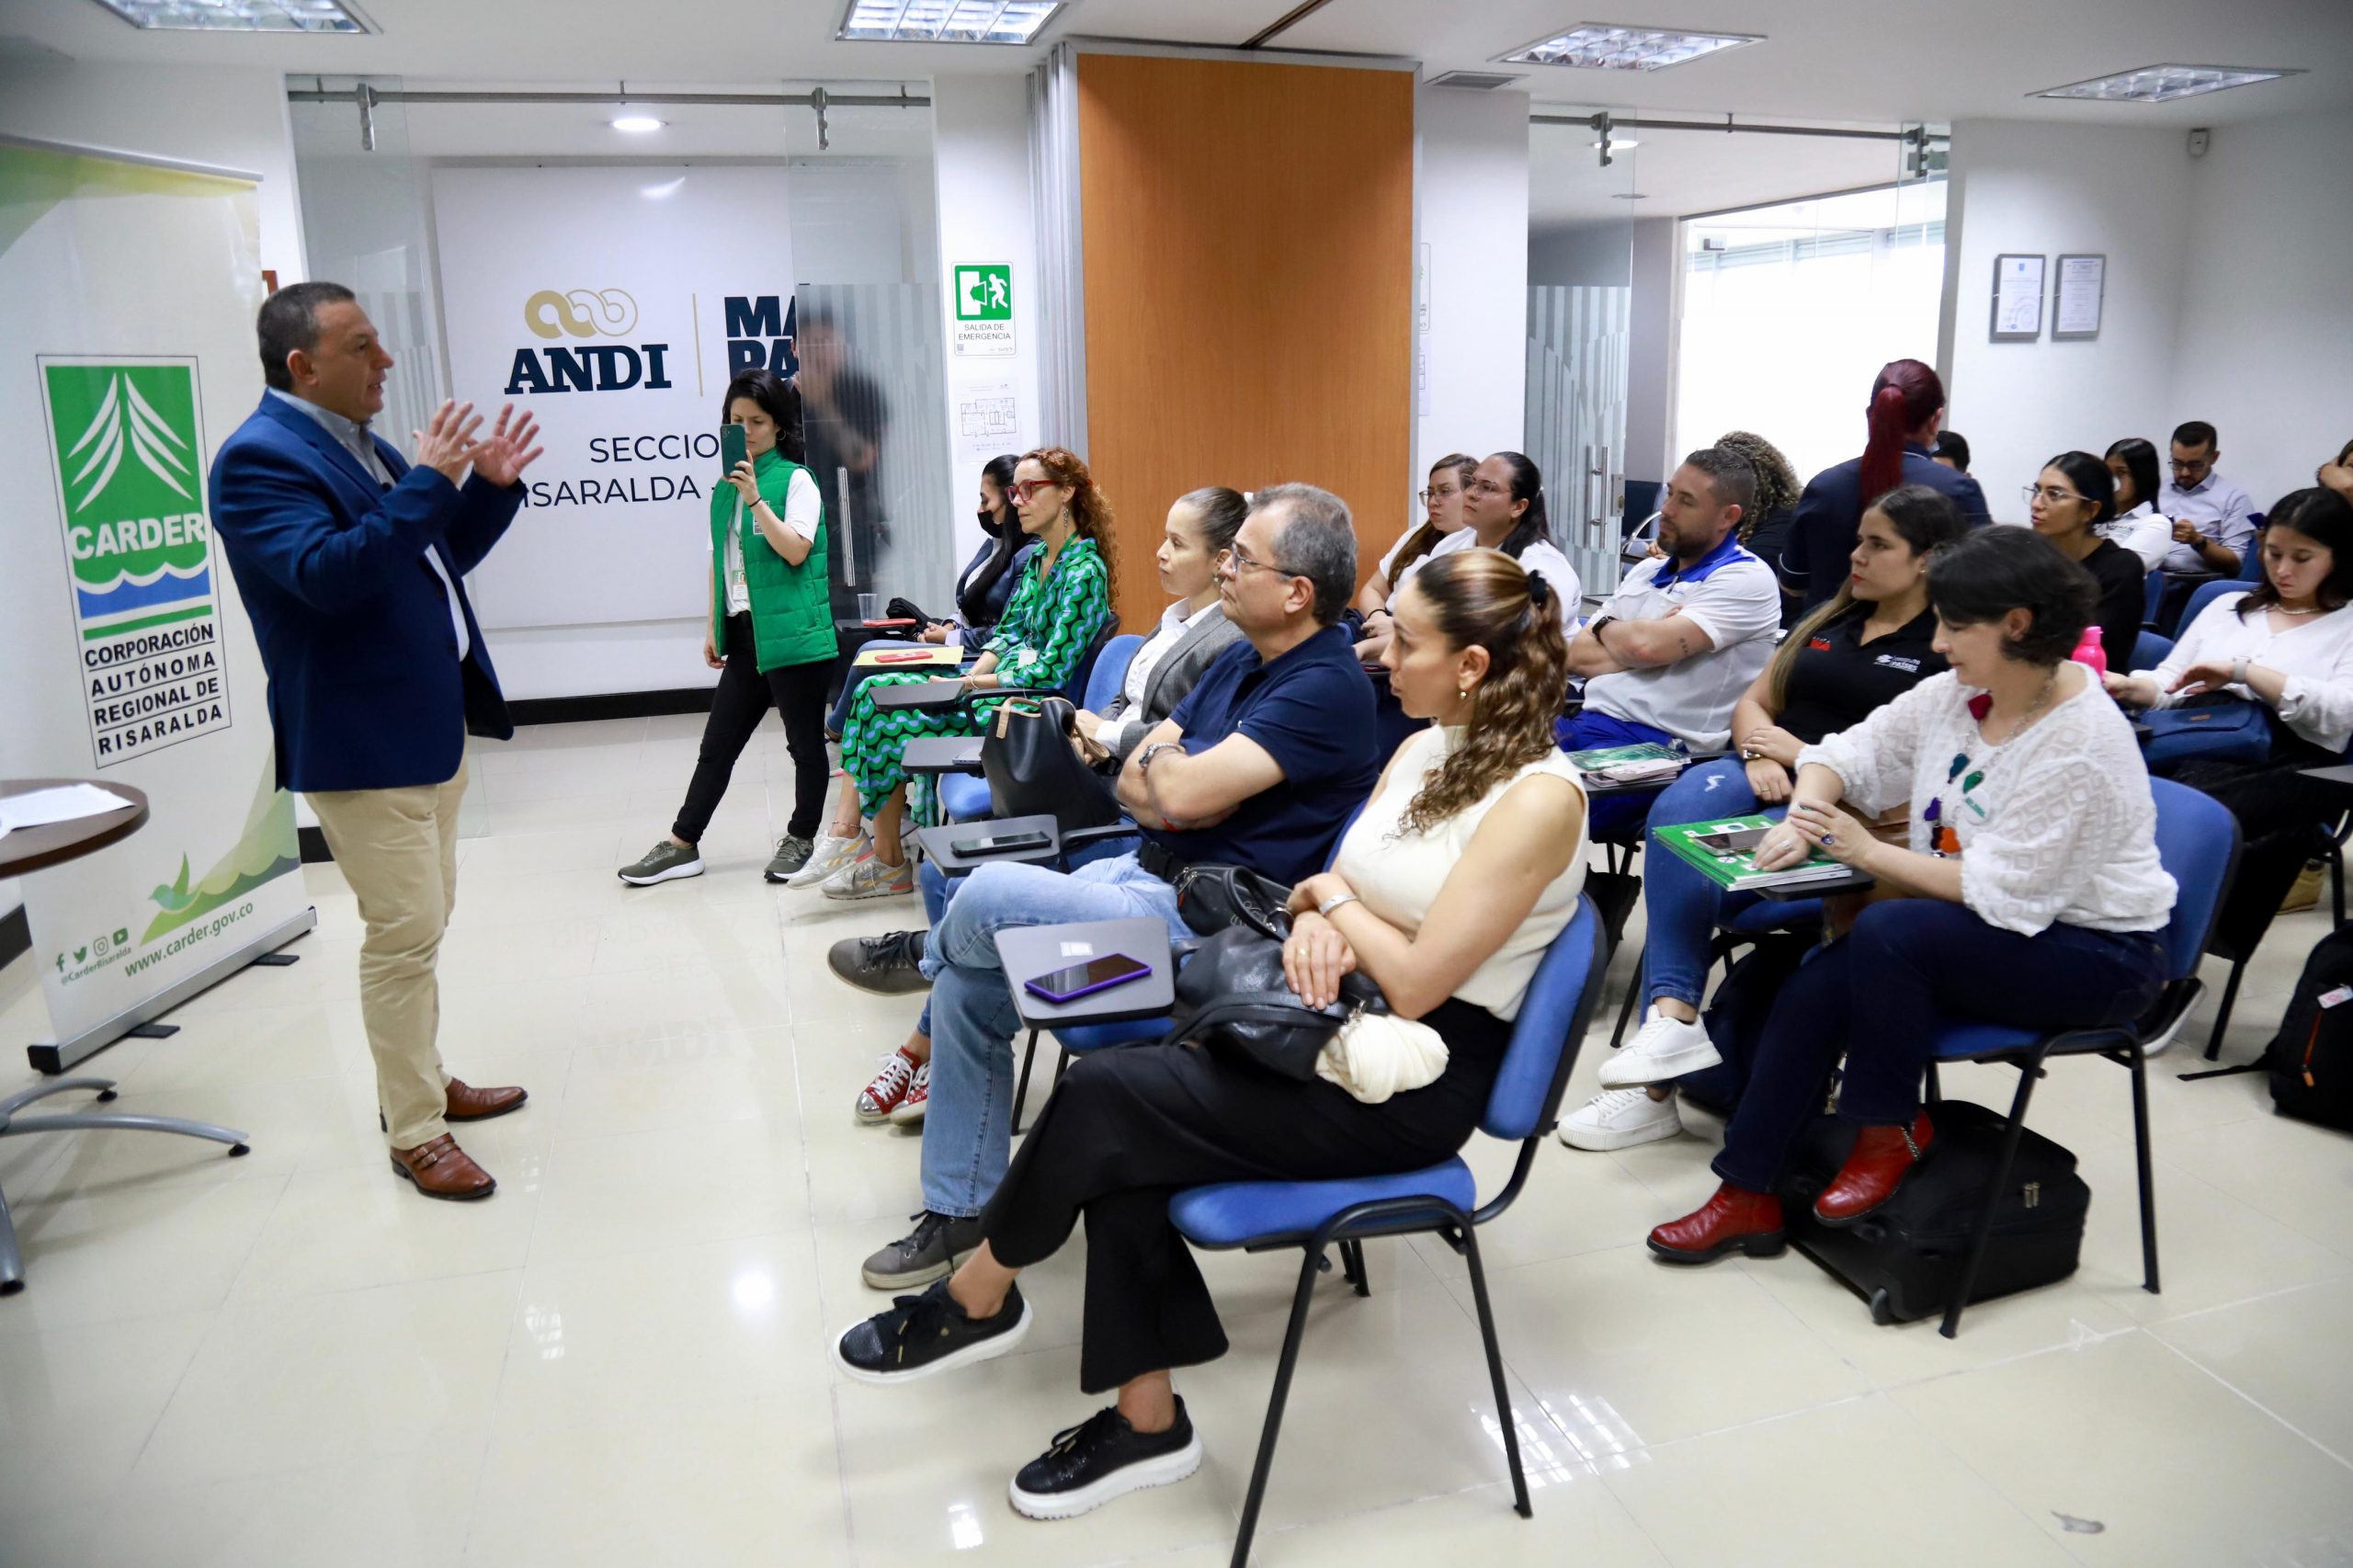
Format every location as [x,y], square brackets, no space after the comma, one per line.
[1883,1157]
[440,1169]
[1735,1220]
[470,1103]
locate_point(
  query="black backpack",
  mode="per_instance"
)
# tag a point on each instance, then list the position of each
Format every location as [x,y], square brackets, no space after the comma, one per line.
[1906,1256]
[2310,1059]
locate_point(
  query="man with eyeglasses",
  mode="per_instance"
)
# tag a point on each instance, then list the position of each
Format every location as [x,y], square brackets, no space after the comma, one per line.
[1259,766]
[2211,532]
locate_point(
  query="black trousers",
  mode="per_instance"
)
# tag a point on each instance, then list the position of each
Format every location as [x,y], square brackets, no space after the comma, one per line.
[2281,816]
[737,707]
[1126,1130]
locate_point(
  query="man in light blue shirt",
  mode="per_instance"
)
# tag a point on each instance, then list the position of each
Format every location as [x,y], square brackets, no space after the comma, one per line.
[2211,530]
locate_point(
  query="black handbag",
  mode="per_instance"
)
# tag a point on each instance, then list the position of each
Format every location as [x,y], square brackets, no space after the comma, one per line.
[907,610]
[1232,996]
[1034,771]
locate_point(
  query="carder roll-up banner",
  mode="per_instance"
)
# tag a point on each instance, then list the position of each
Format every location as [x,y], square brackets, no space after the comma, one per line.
[126,354]
[615,303]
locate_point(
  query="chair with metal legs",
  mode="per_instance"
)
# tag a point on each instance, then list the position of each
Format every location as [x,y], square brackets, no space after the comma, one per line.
[12,1262]
[1323,1216]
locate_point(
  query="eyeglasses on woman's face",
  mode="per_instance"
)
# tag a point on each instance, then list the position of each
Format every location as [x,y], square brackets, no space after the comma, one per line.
[1022,490]
[2051,494]
[1486,487]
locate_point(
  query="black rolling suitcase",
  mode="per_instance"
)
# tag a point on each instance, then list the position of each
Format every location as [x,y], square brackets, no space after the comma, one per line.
[1906,1258]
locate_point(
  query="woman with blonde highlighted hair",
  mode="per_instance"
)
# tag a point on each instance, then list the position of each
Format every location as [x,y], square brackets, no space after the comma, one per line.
[1460,871]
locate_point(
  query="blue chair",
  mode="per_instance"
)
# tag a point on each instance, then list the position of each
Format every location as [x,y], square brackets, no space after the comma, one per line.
[2197,840]
[2153,597]
[1259,1216]
[964,797]
[2251,564]
[2205,594]
[2149,651]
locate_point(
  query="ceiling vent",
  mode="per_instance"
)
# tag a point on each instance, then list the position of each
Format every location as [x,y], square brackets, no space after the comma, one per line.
[1477,81]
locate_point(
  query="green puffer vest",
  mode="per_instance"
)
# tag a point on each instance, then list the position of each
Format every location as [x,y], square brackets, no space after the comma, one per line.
[793,617]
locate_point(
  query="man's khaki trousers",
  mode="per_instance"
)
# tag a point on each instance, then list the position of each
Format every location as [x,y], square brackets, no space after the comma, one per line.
[398,849]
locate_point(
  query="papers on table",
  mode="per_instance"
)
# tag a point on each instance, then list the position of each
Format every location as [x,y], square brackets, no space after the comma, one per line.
[65,802]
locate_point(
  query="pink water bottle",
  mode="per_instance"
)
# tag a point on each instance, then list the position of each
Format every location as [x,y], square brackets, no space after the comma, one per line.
[2090,653]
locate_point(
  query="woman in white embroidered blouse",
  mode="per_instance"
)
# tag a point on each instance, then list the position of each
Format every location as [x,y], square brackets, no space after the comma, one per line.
[1465,863]
[2033,859]
[2287,644]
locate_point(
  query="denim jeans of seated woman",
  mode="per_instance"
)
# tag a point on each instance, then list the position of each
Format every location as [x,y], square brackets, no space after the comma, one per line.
[968,1125]
[1878,996]
[1682,908]
[937,887]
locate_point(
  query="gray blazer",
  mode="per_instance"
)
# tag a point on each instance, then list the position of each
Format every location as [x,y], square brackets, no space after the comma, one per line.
[1174,675]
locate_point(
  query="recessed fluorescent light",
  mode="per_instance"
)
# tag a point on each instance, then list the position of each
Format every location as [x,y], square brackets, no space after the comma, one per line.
[946,21]
[1618,143]
[637,124]
[242,15]
[2162,83]
[1630,195]
[1604,46]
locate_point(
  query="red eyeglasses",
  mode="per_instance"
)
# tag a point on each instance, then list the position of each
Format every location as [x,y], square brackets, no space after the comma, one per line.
[1022,490]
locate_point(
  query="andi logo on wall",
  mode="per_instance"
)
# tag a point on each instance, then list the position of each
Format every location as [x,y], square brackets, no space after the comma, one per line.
[128,443]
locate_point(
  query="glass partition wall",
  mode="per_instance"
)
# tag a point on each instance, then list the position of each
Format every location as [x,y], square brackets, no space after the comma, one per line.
[853,315]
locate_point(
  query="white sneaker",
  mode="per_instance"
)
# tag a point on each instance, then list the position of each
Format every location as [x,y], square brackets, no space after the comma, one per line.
[832,852]
[1619,1118]
[869,878]
[1665,1048]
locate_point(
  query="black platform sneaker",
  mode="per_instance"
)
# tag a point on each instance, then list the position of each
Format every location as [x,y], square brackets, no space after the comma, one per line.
[1101,1459]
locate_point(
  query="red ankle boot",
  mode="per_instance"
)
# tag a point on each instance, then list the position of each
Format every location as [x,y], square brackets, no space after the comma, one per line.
[1735,1220]
[1883,1157]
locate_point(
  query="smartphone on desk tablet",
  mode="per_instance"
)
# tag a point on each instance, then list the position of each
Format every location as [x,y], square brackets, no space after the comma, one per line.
[999,844]
[1082,978]
[732,450]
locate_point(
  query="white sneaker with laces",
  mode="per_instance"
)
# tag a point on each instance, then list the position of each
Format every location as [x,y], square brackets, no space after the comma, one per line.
[1619,1118]
[1665,1048]
[834,851]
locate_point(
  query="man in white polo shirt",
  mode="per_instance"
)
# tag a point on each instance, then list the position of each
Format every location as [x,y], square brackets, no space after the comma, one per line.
[1676,645]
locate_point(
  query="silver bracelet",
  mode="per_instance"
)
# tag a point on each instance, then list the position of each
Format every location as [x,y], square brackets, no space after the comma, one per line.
[1329,905]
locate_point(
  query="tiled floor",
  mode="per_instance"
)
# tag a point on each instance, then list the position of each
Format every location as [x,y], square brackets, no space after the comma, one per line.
[288,1359]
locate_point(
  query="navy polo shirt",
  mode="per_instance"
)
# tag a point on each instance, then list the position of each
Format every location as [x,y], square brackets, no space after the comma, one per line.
[1311,709]
[1822,535]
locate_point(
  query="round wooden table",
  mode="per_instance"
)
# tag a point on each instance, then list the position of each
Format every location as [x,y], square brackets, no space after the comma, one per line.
[36,848]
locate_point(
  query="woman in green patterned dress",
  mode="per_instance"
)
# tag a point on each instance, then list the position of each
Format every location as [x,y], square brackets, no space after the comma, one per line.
[1057,611]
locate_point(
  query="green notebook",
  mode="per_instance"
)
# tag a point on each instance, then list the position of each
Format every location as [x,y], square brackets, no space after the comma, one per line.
[1732,867]
[1643,762]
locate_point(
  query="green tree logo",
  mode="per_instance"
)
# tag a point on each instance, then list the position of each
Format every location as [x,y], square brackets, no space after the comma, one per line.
[126,422]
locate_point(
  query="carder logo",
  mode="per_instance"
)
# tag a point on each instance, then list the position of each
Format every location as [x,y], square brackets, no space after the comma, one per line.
[586,312]
[129,450]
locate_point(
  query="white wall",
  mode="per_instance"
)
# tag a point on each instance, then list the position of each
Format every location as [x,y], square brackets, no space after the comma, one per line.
[1650,350]
[1577,253]
[2048,189]
[2267,328]
[229,116]
[981,156]
[1470,207]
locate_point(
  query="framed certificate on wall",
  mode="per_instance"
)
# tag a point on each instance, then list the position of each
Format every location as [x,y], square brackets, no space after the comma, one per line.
[2082,284]
[2018,297]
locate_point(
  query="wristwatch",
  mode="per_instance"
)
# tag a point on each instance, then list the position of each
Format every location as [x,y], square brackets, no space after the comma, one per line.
[1597,622]
[1143,758]
[2238,670]
[1338,899]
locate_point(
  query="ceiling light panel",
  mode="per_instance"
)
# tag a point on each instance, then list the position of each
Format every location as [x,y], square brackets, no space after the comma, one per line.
[2162,83]
[946,21]
[1604,46]
[242,15]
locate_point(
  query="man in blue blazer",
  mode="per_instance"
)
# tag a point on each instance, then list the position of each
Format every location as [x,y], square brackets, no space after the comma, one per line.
[351,563]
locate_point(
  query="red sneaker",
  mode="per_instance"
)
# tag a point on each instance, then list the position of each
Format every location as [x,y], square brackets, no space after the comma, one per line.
[889,1088]
[910,1110]
[1883,1157]
[1735,1220]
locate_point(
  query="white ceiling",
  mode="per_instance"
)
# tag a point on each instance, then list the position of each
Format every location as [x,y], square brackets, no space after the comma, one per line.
[1850,60]
[1681,172]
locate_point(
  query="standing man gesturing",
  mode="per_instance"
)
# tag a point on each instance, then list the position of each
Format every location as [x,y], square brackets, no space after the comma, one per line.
[351,564]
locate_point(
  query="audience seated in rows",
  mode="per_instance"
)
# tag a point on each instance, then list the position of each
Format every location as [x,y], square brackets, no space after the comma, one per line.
[1441,500]
[1907,406]
[2067,503]
[2287,644]
[2137,525]
[1503,509]
[1259,766]
[2031,893]
[1061,603]
[1851,656]
[1465,865]
[1671,650]
[2209,516]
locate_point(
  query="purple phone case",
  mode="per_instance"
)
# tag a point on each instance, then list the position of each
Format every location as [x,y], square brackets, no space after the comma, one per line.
[1064,997]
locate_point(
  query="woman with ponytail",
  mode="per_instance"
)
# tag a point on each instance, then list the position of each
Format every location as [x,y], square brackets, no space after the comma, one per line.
[1460,871]
[1906,407]
[1503,509]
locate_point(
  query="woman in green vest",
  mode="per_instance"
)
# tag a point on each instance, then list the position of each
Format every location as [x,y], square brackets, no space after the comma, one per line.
[771,636]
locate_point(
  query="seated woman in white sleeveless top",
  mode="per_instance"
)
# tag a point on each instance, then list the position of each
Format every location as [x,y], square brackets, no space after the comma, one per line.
[1465,864]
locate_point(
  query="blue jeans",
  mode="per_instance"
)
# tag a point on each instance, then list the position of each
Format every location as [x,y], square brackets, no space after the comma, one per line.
[1611,814]
[937,887]
[967,1126]
[1682,908]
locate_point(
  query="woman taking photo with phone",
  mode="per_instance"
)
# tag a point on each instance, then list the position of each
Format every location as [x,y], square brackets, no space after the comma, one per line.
[1059,606]
[771,636]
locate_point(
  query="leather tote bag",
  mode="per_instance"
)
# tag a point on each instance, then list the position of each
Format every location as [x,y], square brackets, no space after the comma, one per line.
[1230,994]
[1034,771]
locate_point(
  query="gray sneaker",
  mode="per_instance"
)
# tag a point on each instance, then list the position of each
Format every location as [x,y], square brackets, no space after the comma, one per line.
[931,1251]
[888,965]
[792,854]
[665,862]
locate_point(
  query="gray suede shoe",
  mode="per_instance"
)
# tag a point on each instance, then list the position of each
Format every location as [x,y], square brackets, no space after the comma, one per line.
[792,854]
[665,862]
